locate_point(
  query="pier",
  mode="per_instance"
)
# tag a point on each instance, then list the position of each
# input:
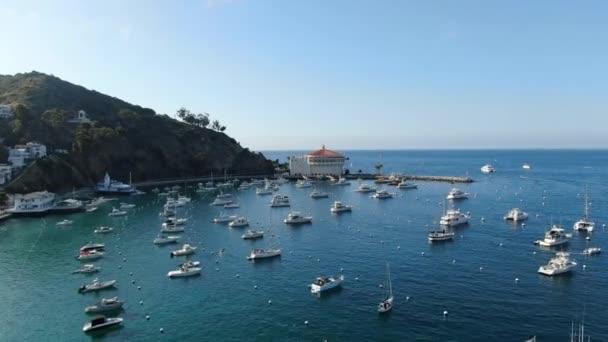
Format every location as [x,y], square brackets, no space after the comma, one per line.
[449,179]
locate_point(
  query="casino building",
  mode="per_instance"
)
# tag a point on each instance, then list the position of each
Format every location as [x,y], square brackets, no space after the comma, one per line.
[318,163]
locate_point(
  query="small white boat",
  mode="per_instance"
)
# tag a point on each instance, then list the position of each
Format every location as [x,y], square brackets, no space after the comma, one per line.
[103,230]
[64,223]
[172,220]
[185,250]
[220,202]
[382,194]
[91,246]
[318,194]
[87,269]
[405,185]
[453,217]
[96,285]
[224,218]
[365,188]
[338,207]
[101,323]
[297,218]
[592,251]
[89,255]
[106,304]
[239,222]
[163,240]
[526,167]
[326,283]
[488,169]
[184,270]
[264,253]
[516,215]
[263,191]
[252,235]
[279,201]
[554,237]
[127,206]
[457,194]
[441,235]
[91,209]
[116,212]
[232,205]
[585,224]
[190,263]
[168,229]
[303,183]
[387,302]
[561,263]
[341,182]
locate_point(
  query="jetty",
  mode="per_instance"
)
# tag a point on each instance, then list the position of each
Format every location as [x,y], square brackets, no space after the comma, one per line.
[427,178]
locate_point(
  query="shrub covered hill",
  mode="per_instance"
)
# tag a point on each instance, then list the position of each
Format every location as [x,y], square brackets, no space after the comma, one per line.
[121,138]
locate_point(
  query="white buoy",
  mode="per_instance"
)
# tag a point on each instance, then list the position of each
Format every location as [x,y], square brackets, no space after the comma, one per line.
[422,253]
[523,224]
[407,299]
[500,244]
[356,278]
[445,313]
[217,269]
[141,302]
[139,287]
[124,259]
[147,318]
[453,261]
[517,280]
[119,267]
[534,252]
[381,242]
[306,322]
[341,269]
[481,269]
[162,330]
[380,286]
[584,266]
[255,287]
[269,302]
[132,281]
[130,273]
[483,219]
[119,253]
[398,247]
[238,275]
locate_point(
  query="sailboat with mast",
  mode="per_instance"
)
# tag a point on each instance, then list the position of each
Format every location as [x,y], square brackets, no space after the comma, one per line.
[387,302]
[584,224]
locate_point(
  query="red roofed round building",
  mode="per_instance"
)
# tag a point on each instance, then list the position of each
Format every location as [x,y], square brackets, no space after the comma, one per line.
[321,162]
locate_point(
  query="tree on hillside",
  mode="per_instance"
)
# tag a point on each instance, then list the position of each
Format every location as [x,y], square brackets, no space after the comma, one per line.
[198,120]
[216,126]
[23,123]
[56,118]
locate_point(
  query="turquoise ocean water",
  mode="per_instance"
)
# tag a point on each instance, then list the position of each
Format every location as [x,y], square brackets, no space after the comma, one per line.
[473,277]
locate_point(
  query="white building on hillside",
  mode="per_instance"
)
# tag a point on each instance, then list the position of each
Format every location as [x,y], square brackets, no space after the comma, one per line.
[81,117]
[20,154]
[6,112]
[322,162]
[6,173]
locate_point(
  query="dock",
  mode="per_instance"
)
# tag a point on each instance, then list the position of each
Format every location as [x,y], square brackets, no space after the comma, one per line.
[4,215]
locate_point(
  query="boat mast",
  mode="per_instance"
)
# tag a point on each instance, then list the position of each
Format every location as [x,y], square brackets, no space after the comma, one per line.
[586,203]
[390,284]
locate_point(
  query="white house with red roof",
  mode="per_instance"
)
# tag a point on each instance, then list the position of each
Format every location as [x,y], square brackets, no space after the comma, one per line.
[321,162]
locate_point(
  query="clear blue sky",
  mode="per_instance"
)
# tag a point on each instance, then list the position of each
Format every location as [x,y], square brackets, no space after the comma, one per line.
[349,74]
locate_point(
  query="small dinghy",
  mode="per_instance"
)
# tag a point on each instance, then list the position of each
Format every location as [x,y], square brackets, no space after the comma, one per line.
[185,250]
[103,230]
[163,240]
[96,285]
[106,304]
[87,269]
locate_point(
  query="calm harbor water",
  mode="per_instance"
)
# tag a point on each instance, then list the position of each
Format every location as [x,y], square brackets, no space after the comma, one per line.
[472,277]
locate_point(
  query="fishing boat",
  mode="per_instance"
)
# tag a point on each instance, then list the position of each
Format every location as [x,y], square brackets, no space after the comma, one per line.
[584,224]
[339,207]
[382,194]
[89,255]
[87,269]
[297,218]
[106,304]
[322,284]
[554,237]
[364,188]
[101,322]
[116,212]
[163,240]
[184,270]
[560,264]
[403,184]
[96,285]
[279,201]
[103,230]
[64,223]
[387,301]
[455,194]
[252,235]
[440,235]
[516,215]
[488,169]
[185,250]
[264,253]
[318,194]
[224,218]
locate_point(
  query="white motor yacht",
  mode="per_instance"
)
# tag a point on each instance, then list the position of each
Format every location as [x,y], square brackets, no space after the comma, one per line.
[103,230]
[554,237]
[440,235]
[263,191]
[382,194]
[405,185]
[163,240]
[526,166]
[516,215]
[101,323]
[224,218]
[87,269]
[318,194]
[585,224]
[64,223]
[116,212]
[279,201]
[303,183]
[561,263]
[184,270]
[90,246]
[232,205]
[127,206]
[488,169]
[172,220]
[457,194]
[338,207]
[220,202]
[365,188]
[96,285]
[89,255]
[341,182]
[185,250]
[453,217]
[252,235]
[296,218]
[168,229]
[264,253]
[326,283]
[592,251]
[106,304]
[239,222]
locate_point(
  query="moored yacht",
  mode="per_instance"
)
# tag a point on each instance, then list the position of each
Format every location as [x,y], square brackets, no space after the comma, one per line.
[341,182]
[403,184]
[554,237]
[93,246]
[440,235]
[96,285]
[318,194]
[365,188]
[117,212]
[220,202]
[106,304]
[163,240]
[453,217]
[224,218]
[279,201]
[488,169]
[101,322]
[185,250]
[171,228]
[89,255]
[252,235]
[516,215]
[87,269]
[267,190]
[561,263]
[338,207]
[126,206]
[457,194]
[232,205]
[296,218]
[64,223]
[526,167]
[264,253]
[382,194]
[592,251]
[326,283]
[239,222]
[303,183]
[184,270]
[387,301]
[585,224]
[109,186]
[103,230]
